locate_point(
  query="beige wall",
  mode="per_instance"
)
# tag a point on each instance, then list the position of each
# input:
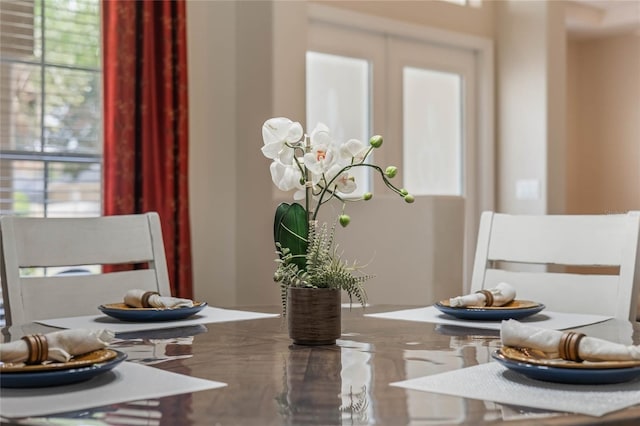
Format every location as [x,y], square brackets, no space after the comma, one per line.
[603,167]
[530,106]
[238,77]
[212,157]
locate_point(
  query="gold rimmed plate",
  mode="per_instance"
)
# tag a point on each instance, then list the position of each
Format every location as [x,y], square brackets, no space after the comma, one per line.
[537,357]
[535,365]
[516,309]
[78,369]
[100,355]
[124,312]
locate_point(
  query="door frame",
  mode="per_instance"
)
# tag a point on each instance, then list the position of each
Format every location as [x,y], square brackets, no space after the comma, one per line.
[484,159]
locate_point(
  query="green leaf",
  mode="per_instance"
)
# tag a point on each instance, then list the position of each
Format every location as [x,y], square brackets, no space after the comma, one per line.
[291,229]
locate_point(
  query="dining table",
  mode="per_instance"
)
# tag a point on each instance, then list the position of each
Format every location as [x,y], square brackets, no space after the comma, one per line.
[268,380]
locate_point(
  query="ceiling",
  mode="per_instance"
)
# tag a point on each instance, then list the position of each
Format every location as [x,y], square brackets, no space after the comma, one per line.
[602,18]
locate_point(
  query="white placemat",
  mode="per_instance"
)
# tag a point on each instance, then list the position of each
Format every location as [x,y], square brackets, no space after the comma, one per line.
[127,382]
[493,382]
[206,316]
[545,319]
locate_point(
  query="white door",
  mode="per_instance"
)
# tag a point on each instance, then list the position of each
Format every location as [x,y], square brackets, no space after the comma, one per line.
[422,98]
[432,107]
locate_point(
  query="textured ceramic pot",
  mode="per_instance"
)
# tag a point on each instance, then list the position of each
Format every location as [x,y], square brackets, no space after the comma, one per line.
[314,315]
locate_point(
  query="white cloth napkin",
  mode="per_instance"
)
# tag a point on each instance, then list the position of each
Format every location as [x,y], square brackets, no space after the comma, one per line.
[514,333]
[503,293]
[63,345]
[134,298]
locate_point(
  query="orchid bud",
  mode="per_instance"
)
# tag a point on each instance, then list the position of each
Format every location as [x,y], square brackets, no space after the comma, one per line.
[376,141]
[367,196]
[409,198]
[391,171]
[404,192]
[344,220]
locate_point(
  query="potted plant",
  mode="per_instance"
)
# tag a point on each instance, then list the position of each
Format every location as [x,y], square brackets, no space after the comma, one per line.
[318,169]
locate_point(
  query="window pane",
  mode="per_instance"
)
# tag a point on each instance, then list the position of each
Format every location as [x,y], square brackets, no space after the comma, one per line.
[53,189]
[71,111]
[432,127]
[21,187]
[20,109]
[73,189]
[72,33]
[338,96]
[17,31]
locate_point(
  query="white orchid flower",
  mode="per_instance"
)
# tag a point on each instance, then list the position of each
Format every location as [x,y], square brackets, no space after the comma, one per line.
[345,183]
[286,177]
[276,132]
[321,135]
[332,173]
[319,160]
[353,148]
[340,180]
[322,155]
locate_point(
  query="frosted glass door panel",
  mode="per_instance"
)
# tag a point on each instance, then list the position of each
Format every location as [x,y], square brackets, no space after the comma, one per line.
[432,129]
[338,96]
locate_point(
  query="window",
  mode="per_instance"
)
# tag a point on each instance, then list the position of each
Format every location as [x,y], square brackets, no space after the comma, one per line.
[50,108]
[432,128]
[338,96]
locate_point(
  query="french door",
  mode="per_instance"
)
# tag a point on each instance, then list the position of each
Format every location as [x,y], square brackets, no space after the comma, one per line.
[421,96]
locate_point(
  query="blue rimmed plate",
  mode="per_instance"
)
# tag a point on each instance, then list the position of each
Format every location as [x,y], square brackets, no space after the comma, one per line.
[79,369]
[125,313]
[534,365]
[517,309]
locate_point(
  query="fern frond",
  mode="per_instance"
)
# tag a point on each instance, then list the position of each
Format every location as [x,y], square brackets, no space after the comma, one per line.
[325,268]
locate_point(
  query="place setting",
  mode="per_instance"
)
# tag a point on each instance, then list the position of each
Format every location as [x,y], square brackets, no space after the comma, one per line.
[565,357]
[57,358]
[484,309]
[142,310]
[564,371]
[496,304]
[82,365]
[140,305]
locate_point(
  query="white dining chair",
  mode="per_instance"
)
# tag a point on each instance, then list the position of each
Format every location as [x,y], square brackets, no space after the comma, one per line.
[77,247]
[570,263]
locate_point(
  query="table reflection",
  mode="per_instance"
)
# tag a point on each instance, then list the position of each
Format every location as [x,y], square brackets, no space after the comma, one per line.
[157,346]
[312,385]
[357,382]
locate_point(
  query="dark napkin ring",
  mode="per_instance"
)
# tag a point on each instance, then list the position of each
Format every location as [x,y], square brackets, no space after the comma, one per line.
[38,348]
[144,300]
[569,344]
[488,297]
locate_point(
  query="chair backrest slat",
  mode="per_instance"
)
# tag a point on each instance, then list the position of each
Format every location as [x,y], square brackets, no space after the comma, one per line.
[49,296]
[566,240]
[75,241]
[560,292]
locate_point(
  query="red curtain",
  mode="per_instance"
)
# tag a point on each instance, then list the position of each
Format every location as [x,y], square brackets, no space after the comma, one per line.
[145,122]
